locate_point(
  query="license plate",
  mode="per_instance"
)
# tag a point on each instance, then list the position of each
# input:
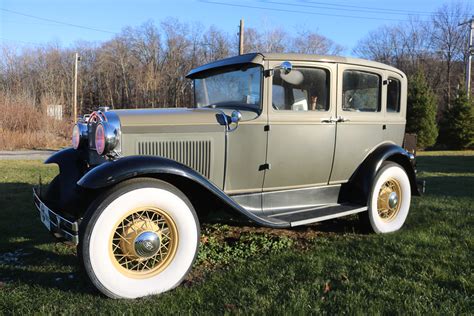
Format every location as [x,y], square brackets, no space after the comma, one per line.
[44,215]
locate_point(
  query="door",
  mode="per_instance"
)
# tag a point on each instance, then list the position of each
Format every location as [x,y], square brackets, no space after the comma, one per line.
[301,134]
[360,126]
[246,153]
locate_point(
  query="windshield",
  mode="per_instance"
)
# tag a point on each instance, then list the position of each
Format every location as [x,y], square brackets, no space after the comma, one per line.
[230,88]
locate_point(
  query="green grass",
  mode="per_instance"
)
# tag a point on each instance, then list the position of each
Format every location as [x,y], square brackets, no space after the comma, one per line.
[330,268]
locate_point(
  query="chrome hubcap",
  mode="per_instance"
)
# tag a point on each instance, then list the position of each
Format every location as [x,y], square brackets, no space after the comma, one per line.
[147,244]
[393,200]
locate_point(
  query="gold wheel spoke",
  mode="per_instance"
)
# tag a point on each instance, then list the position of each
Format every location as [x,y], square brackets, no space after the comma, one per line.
[129,228]
[384,208]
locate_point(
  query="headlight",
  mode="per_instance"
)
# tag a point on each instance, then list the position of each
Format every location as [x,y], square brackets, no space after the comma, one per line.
[79,135]
[106,138]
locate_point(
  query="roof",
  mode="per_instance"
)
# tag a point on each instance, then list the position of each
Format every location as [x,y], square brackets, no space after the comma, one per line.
[258,58]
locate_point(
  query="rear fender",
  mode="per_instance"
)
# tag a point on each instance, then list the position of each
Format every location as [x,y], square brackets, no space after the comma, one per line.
[359,185]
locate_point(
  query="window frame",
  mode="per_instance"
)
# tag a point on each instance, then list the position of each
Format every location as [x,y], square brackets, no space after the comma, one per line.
[389,77]
[329,77]
[235,67]
[380,90]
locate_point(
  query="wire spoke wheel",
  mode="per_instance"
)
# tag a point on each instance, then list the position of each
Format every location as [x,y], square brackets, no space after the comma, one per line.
[389,200]
[144,242]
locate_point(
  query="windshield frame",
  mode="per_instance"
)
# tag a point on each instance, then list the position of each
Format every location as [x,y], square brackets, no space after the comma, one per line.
[225,69]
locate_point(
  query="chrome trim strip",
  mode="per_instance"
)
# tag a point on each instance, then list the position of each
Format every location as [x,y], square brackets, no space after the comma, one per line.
[60,222]
[323,218]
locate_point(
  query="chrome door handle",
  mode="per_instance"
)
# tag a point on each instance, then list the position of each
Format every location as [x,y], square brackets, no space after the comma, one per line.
[329,120]
[342,119]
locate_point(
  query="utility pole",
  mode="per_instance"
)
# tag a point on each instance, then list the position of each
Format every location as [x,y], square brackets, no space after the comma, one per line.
[241,37]
[470,53]
[76,62]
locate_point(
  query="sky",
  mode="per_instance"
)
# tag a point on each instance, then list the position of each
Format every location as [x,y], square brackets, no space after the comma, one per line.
[27,23]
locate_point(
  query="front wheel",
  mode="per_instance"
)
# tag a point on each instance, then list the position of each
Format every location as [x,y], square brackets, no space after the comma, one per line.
[389,200]
[141,238]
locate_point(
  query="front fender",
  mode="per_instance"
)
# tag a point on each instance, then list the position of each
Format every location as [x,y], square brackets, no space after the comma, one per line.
[113,172]
[63,191]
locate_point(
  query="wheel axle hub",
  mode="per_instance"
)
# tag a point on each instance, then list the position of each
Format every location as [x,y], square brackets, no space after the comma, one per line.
[147,244]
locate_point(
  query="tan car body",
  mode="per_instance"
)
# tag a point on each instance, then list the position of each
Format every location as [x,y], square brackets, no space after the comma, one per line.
[276,166]
[303,151]
[284,140]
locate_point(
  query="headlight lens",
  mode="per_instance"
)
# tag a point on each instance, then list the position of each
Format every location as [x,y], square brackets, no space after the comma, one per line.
[79,135]
[106,138]
[100,139]
[76,137]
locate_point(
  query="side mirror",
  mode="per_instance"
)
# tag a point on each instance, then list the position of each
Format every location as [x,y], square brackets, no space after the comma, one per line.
[285,67]
[235,117]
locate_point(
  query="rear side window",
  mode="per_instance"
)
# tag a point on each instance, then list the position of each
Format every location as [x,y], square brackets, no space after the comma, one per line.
[361,91]
[393,95]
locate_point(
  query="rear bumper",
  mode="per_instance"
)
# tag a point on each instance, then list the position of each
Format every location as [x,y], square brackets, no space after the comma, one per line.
[55,223]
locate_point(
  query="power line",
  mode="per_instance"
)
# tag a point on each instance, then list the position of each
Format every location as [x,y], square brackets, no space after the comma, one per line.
[374,8]
[56,21]
[351,8]
[298,11]
[21,42]
[27,23]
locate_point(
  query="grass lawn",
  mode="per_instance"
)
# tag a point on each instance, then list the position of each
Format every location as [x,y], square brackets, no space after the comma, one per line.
[331,267]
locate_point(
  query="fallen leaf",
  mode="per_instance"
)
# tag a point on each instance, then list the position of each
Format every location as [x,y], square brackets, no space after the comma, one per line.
[327,287]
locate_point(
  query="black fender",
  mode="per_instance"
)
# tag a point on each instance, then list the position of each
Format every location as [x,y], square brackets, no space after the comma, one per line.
[113,172]
[359,185]
[63,191]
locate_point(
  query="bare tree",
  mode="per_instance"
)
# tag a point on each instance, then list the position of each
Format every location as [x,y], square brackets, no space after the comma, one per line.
[308,42]
[449,40]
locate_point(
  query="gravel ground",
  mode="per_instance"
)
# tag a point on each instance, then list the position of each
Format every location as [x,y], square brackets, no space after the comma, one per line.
[26,154]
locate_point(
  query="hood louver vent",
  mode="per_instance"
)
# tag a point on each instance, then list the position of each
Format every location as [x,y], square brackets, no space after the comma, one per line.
[195,154]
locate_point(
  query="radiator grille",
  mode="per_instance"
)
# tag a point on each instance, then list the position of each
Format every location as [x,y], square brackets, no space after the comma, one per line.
[195,154]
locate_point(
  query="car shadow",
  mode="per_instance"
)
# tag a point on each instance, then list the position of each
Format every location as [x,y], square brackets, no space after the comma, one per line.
[29,253]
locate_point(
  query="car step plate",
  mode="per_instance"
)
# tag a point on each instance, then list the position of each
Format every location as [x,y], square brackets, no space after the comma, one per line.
[303,217]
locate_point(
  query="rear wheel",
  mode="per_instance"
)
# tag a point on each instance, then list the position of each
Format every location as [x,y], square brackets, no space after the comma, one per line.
[141,238]
[389,200]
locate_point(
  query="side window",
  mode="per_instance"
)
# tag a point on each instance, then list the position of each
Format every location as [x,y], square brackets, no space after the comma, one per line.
[393,95]
[303,89]
[360,91]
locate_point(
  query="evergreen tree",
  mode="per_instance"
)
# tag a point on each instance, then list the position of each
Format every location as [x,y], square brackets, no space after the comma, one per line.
[457,125]
[421,111]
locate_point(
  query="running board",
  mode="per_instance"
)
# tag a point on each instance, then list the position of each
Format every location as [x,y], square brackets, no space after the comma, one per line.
[304,217]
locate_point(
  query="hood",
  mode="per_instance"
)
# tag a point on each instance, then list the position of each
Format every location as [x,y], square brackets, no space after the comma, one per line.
[167,116]
[175,117]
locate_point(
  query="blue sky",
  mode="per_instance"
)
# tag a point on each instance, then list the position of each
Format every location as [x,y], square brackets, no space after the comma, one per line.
[30,22]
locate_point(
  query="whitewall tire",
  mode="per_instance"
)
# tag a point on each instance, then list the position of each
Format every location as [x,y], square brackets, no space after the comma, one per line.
[140,238]
[389,199]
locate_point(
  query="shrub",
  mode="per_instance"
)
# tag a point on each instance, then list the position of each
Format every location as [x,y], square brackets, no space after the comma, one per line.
[24,126]
[457,127]
[421,111]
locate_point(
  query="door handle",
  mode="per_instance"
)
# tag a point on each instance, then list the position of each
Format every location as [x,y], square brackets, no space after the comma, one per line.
[329,120]
[342,119]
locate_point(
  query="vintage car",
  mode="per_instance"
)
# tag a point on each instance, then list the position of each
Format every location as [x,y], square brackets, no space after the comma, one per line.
[282,139]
